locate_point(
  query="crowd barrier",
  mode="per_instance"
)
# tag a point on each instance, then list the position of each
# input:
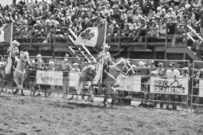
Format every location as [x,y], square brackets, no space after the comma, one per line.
[196,92]
[148,82]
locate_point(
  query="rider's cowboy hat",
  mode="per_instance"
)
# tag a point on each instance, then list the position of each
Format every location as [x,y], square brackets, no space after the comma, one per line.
[106,46]
[15,43]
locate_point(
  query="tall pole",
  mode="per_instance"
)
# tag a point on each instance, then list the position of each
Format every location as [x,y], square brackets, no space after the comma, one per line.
[103,50]
[11,38]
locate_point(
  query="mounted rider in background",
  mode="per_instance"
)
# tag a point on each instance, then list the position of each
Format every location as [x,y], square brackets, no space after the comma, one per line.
[13,51]
[105,56]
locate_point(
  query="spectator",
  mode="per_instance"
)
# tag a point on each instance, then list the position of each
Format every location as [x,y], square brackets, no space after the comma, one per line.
[172,73]
[66,68]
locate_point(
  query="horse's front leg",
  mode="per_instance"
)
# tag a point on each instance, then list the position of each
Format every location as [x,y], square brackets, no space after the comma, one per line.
[91,96]
[106,96]
[15,92]
[113,95]
[22,92]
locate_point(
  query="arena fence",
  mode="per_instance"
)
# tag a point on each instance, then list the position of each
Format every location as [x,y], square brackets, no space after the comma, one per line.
[196,92]
[150,84]
[150,81]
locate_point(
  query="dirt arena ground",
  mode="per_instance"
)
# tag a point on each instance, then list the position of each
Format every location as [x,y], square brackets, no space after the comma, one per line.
[56,116]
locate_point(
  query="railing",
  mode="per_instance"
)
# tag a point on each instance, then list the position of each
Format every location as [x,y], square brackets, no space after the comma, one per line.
[119,37]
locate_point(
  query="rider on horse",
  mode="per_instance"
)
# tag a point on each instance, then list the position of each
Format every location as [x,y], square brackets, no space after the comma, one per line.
[104,57]
[13,51]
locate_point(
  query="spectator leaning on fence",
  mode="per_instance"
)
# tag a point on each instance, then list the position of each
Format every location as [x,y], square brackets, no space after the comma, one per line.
[77,70]
[172,73]
[39,64]
[51,68]
[66,68]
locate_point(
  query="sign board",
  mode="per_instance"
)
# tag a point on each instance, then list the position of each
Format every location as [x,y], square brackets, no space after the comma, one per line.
[74,79]
[50,77]
[129,83]
[178,86]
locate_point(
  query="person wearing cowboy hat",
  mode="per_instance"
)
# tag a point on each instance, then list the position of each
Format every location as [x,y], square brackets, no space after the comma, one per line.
[13,51]
[104,60]
[39,64]
[75,68]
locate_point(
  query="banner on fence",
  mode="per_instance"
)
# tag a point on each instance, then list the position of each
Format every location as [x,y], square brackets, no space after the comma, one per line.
[50,77]
[74,79]
[129,83]
[178,86]
[201,88]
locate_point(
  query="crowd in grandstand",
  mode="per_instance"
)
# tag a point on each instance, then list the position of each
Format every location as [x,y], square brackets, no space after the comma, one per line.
[130,20]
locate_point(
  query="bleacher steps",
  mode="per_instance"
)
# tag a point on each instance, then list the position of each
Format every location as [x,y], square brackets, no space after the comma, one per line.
[79,50]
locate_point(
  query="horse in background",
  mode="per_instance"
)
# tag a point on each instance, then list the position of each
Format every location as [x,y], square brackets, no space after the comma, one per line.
[110,81]
[19,73]
[85,82]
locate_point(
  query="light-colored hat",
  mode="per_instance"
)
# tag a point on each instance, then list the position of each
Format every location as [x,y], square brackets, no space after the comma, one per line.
[67,55]
[39,55]
[158,8]
[106,46]
[51,62]
[160,64]
[75,64]
[155,72]
[15,43]
[185,68]
[134,66]
[141,63]
[171,64]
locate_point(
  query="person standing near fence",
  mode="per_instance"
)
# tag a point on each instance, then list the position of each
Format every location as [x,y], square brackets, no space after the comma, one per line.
[39,65]
[172,73]
[76,70]
[66,67]
[51,68]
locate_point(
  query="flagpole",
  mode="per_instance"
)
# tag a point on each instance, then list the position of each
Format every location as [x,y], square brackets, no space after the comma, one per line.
[103,51]
[11,38]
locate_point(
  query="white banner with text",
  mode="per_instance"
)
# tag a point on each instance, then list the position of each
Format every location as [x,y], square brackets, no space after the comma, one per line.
[50,77]
[129,83]
[177,86]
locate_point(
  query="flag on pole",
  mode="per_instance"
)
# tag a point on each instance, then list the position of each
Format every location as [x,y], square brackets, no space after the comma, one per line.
[6,33]
[92,36]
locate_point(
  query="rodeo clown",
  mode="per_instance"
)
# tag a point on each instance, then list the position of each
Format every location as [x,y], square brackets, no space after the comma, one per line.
[13,51]
[105,56]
